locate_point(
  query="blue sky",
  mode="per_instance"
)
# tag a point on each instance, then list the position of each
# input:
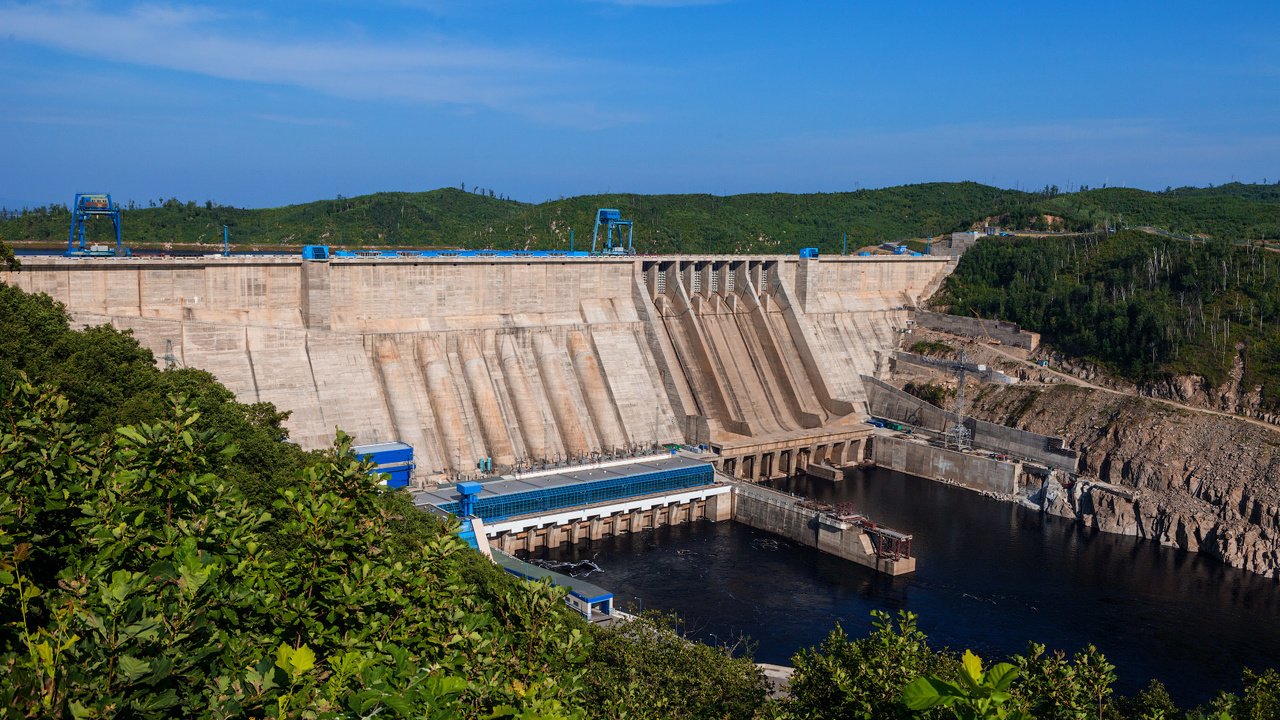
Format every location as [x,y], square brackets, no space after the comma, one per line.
[260,104]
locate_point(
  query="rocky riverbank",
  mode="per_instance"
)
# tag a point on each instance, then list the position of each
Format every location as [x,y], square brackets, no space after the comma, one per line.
[1182,478]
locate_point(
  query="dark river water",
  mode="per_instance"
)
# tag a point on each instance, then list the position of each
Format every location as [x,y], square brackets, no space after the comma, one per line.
[991,576]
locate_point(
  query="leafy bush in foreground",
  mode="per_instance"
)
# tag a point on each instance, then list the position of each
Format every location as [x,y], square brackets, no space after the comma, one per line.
[168,598]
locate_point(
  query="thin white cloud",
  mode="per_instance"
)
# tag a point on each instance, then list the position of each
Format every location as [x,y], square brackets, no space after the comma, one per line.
[431,68]
[300,121]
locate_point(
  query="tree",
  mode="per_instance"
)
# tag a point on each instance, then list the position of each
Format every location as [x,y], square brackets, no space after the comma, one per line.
[1055,688]
[162,595]
[8,260]
[648,669]
[1150,703]
[864,678]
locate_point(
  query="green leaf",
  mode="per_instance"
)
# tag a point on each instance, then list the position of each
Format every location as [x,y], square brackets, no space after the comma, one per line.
[166,699]
[132,668]
[303,660]
[131,434]
[921,695]
[45,652]
[1001,676]
[448,685]
[401,706]
[295,662]
[144,629]
[284,657]
[972,665]
[161,668]
[121,585]
[192,570]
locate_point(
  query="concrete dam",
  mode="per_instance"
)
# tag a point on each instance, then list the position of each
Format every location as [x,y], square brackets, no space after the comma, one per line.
[525,360]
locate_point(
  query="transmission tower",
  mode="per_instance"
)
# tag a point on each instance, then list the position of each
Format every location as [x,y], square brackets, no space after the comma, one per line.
[958,436]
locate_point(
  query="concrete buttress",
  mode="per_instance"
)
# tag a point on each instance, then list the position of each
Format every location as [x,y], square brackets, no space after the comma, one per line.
[520,358]
[485,398]
[551,367]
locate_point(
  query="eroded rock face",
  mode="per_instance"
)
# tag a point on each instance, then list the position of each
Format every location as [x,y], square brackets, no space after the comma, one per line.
[1231,395]
[1184,479]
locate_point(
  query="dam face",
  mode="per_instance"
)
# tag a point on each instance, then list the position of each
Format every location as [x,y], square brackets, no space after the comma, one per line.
[524,359]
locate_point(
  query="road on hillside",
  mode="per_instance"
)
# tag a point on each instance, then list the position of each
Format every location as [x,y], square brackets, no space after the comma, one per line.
[1072,379]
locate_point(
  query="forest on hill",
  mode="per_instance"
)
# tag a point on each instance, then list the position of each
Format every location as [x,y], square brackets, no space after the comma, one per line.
[1147,307]
[758,223]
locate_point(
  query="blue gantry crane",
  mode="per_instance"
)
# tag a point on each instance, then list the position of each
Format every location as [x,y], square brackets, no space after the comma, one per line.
[90,206]
[611,218]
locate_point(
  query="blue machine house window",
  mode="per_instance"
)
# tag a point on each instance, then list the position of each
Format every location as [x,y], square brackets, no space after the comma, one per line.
[589,493]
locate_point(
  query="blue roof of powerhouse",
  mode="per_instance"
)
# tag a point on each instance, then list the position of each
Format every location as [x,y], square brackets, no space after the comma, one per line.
[379,447]
[566,476]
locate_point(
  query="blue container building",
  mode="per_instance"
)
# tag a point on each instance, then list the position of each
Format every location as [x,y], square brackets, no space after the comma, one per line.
[393,459]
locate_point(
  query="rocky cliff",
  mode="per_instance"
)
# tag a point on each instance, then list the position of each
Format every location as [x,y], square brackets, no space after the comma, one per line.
[1197,481]
[1233,394]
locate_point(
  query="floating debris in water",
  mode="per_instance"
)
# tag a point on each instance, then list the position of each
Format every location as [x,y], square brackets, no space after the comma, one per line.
[580,568]
[766,544]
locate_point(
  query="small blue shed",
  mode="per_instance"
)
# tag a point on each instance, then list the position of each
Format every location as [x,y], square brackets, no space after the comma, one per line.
[315,252]
[394,459]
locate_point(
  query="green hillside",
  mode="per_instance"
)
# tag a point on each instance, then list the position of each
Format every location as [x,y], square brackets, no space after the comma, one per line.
[1270,193]
[433,217]
[1230,212]
[765,222]
[1144,305]
[451,217]
[774,222]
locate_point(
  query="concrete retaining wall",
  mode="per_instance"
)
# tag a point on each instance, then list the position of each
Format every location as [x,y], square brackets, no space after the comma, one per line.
[927,461]
[780,514]
[887,401]
[1006,332]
